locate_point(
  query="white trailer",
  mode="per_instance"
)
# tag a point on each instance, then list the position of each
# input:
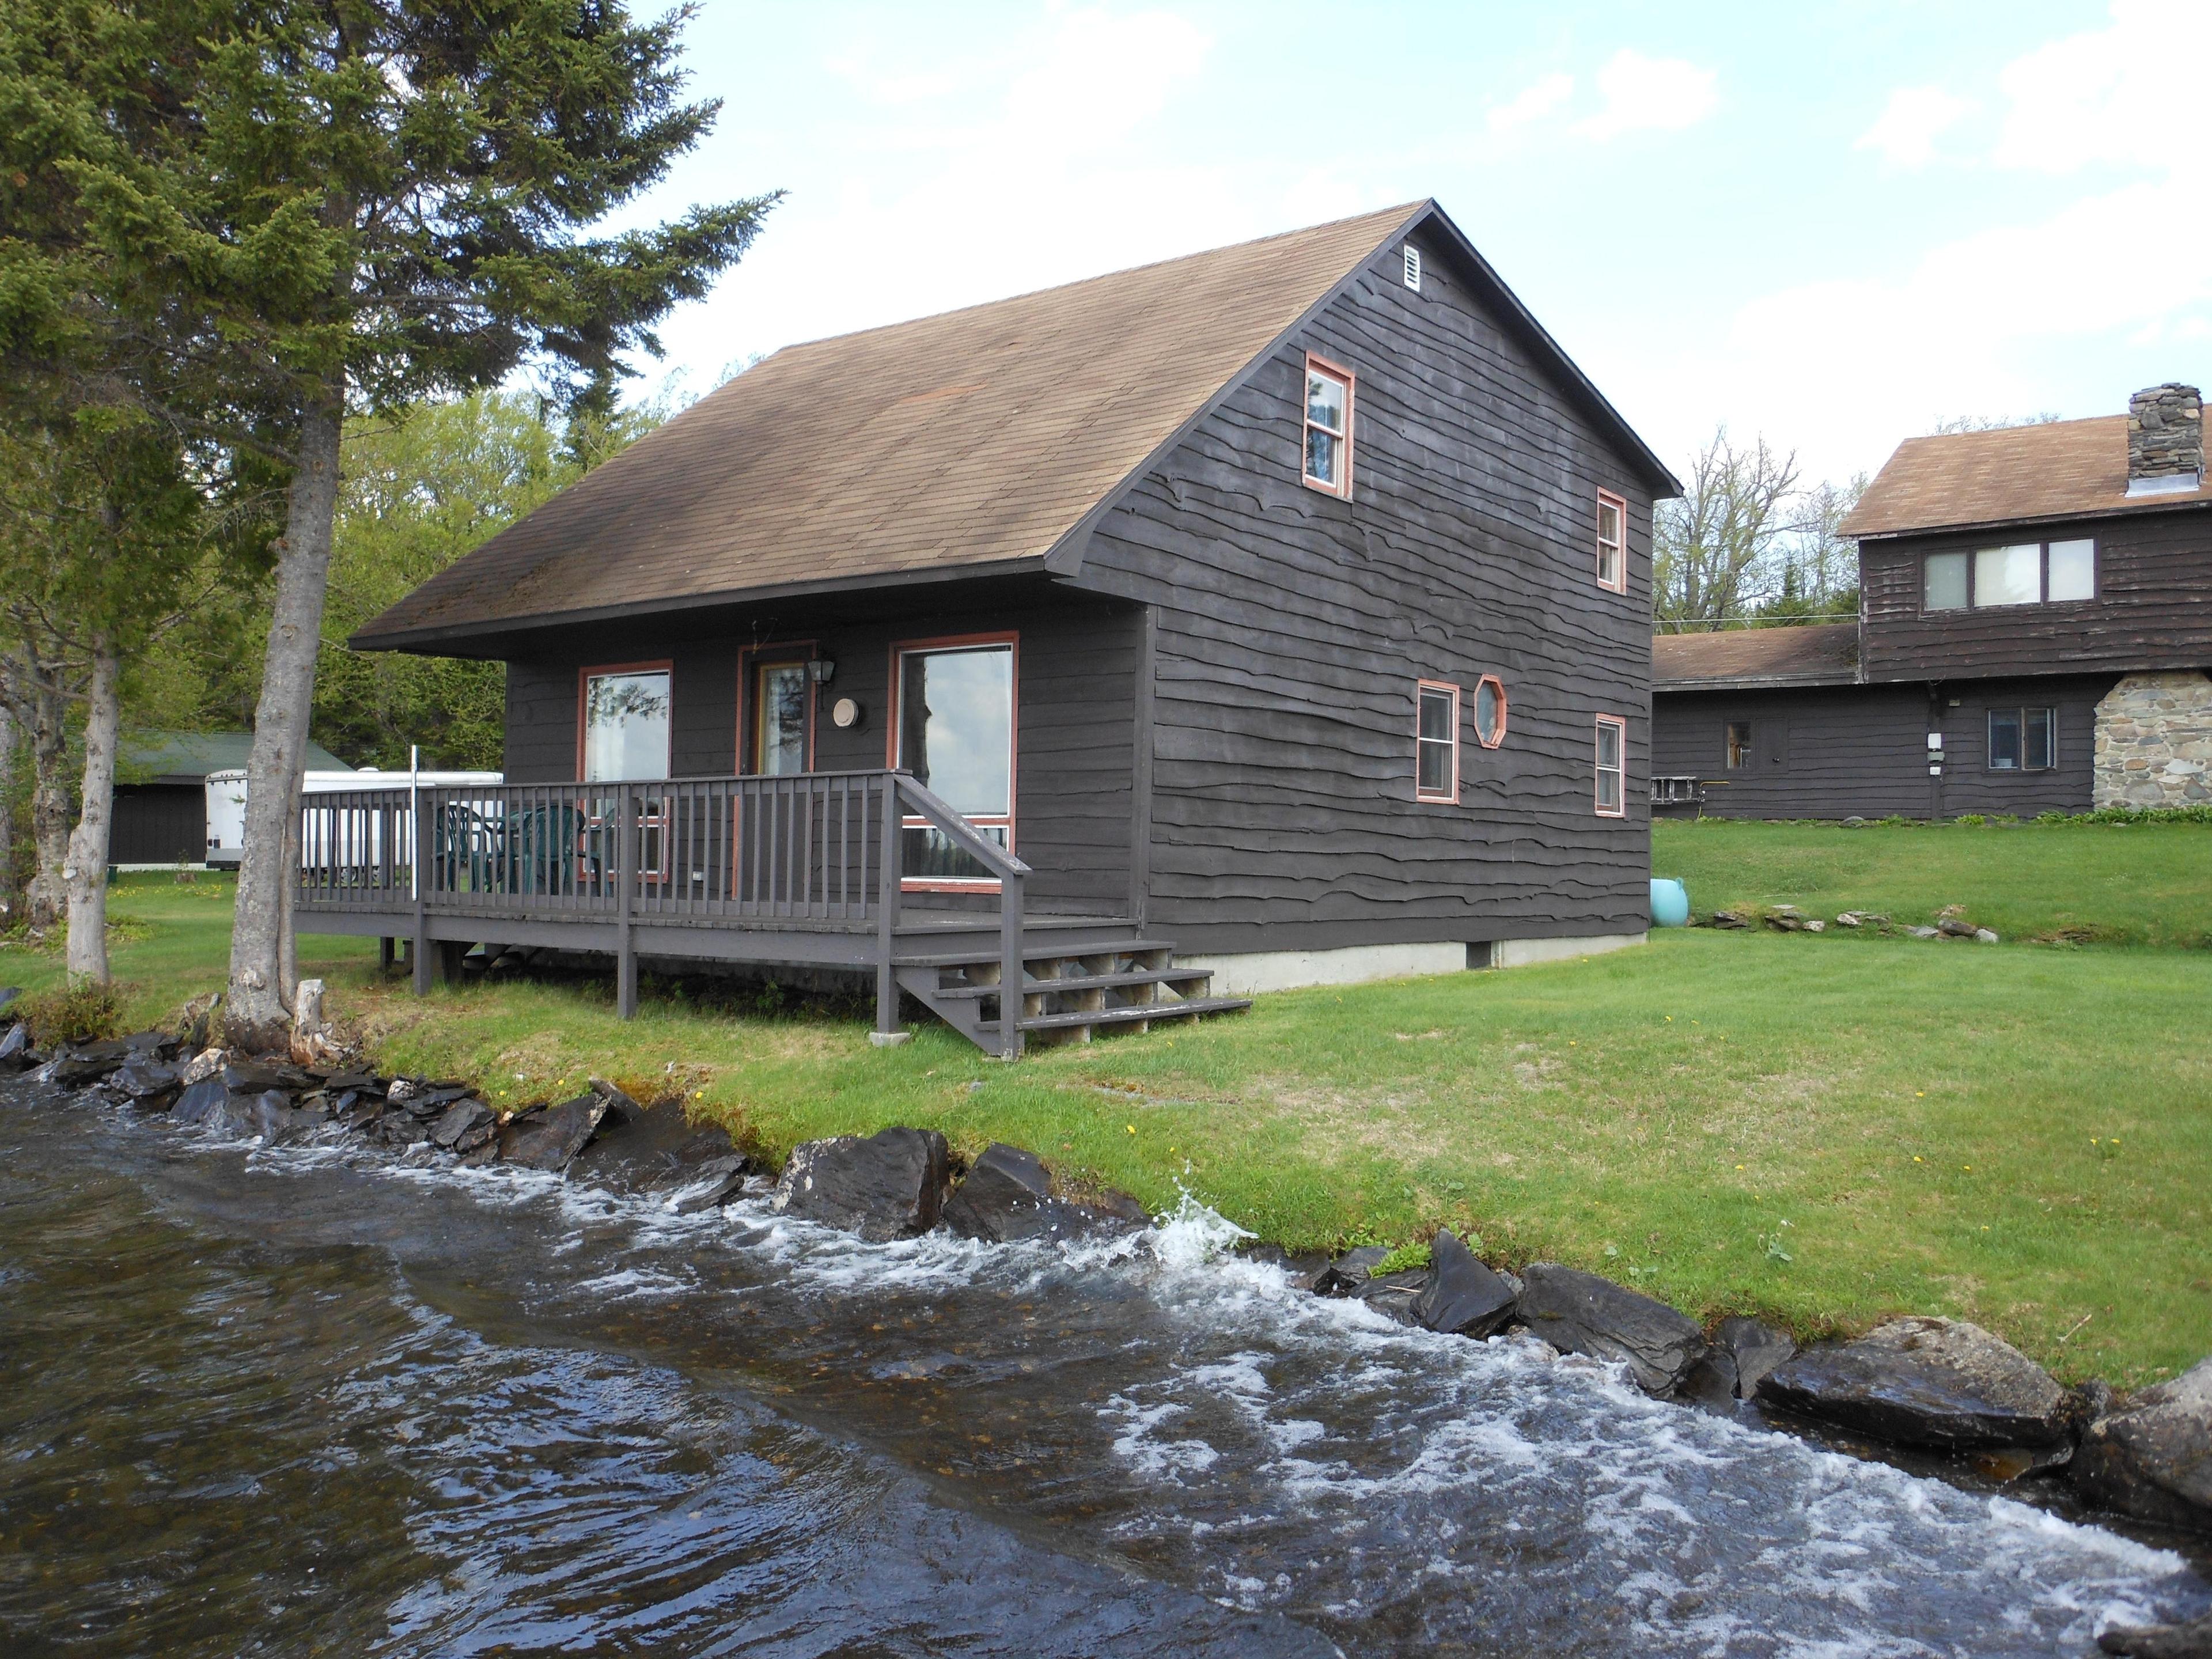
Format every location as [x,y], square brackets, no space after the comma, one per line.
[226,801]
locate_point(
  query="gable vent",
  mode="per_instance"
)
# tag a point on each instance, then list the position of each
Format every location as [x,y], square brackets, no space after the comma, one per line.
[1413,268]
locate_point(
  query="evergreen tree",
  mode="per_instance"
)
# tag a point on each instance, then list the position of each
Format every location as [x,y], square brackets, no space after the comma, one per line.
[266,217]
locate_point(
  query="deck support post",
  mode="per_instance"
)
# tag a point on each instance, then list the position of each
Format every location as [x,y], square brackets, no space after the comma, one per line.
[626,851]
[1013,995]
[887,1031]
[418,953]
[387,949]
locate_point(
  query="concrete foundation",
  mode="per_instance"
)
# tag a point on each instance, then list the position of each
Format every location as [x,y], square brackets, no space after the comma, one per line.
[1249,973]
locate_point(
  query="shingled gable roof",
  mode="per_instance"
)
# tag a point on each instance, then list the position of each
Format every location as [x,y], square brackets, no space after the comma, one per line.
[1820,654]
[975,442]
[1960,480]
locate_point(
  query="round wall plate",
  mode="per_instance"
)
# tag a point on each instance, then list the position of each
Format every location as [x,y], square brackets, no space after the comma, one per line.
[845,713]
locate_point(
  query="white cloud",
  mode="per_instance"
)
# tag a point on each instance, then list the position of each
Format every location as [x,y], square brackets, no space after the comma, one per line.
[1906,133]
[1650,95]
[1533,103]
[2130,94]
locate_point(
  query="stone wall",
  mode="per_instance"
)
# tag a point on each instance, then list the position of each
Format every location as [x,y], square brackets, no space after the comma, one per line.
[2154,741]
[2165,433]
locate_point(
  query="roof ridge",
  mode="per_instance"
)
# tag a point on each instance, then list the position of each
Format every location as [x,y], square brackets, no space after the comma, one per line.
[1407,210]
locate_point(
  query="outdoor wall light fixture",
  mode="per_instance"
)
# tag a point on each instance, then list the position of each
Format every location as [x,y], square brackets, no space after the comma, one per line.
[820,671]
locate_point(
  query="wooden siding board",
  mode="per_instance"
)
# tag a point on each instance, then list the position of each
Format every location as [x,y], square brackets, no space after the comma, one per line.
[1862,751]
[1077,699]
[1292,627]
[2153,608]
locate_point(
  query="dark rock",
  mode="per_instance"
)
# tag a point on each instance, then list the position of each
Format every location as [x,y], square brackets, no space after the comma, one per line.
[1581,1313]
[891,1185]
[2091,1401]
[2152,1456]
[486,1151]
[1346,1274]
[1952,927]
[9,993]
[79,1067]
[146,1082]
[1756,1347]
[1464,1297]
[1007,1197]
[198,1100]
[1712,1384]
[339,1082]
[251,1076]
[460,1121]
[159,1044]
[2190,1641]
[1727,919]
[1397,1295]
[431,1104]
[1935,1382]
[2006,1464]
[1006,1190]
[550,1139]
[268,1114]
[647,1149]
[360,1111]
[401,1129]
[15,1047]
[712,1183]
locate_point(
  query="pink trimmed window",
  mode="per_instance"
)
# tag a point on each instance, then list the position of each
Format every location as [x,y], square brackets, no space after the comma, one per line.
[1612,766]
[1436,742]
[1612,542]
[1327,463]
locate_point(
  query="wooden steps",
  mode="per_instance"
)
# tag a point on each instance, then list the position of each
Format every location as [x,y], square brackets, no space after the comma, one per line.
[1068,995]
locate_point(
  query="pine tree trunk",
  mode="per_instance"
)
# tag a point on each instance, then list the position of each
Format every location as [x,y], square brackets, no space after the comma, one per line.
[47,894]
[87,870]
[259,1016]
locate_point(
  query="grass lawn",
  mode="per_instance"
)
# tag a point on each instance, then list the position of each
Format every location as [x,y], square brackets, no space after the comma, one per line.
[1827,1129]
[2115,884]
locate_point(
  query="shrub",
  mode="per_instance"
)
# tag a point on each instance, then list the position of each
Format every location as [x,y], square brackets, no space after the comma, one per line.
[86,1011]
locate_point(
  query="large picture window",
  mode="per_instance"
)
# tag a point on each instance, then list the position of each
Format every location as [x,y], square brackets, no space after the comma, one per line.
[1612,766]
[954,730]
[1436,742]
[625,723]
[2023,739]
[2020,573]
[1329,427]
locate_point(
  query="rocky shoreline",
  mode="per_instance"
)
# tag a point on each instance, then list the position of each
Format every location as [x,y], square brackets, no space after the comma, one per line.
[1935,1386]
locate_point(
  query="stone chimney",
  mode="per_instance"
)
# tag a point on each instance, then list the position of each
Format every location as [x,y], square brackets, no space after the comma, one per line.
[2165,440]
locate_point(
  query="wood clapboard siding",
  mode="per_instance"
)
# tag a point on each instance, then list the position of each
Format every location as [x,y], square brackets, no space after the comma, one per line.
[1077,658]
[1835,752]
[1292,626]
[1861,751]
[2069,787]
[2153,608]
[159,823]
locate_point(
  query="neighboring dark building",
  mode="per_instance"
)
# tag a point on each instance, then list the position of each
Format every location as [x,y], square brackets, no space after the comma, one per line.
[2034,628]
[161,812]
[1289,603]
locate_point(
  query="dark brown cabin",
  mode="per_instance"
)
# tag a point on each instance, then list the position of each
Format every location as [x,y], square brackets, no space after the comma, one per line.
[2035,625]
[1277,615]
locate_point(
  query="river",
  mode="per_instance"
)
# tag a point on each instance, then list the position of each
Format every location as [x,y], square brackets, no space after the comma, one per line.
[309,1401]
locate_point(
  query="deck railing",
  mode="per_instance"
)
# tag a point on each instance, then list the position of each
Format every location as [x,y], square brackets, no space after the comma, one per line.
[813,849]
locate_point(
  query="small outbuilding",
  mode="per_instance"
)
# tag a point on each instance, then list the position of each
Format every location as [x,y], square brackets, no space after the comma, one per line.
[161,795]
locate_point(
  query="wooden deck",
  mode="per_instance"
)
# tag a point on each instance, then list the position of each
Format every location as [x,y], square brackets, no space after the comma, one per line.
[861,870]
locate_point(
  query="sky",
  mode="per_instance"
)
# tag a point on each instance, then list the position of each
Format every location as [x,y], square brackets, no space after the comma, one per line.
[1831,225]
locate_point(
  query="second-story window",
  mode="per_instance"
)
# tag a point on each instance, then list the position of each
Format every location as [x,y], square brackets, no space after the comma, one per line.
[1436,742]
[2020,573]
[1329,427]
[1612,542]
